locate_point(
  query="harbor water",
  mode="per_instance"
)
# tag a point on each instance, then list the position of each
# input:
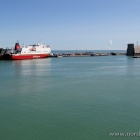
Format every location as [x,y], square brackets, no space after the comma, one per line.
[69,98]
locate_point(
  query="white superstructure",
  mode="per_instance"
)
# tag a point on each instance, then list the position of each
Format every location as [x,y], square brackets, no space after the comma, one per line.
[35,49]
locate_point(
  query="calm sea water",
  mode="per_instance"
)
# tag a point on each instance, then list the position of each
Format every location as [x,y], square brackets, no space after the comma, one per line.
[82,98]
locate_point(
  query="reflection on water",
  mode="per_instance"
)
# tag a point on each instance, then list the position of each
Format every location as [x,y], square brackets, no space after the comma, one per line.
[35,67]
[30,76]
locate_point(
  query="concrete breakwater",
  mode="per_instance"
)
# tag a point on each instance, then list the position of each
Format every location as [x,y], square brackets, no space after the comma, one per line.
[84,54]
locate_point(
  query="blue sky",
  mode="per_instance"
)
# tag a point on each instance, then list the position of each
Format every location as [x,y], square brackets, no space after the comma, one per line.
[70,24]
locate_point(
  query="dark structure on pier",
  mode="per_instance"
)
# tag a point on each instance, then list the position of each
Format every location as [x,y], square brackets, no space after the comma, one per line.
[133,50]
[1,50]
[130,49]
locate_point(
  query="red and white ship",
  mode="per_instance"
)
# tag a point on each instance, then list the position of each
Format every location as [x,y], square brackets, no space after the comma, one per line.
[27,52]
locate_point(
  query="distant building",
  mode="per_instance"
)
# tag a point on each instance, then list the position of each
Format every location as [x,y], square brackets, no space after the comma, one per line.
[137,50]
[133,50]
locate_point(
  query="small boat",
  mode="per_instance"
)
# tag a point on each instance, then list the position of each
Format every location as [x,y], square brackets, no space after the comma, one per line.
[95,54]
[99,54]
[53,55]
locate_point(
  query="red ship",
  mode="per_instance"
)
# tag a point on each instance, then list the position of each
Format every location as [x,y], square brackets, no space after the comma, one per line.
[35,51]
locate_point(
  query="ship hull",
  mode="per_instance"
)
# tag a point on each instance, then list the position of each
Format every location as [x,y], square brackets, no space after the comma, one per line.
[28,56]
[24,56]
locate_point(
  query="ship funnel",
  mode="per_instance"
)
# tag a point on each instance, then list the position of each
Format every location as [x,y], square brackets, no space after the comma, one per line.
[17,46]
